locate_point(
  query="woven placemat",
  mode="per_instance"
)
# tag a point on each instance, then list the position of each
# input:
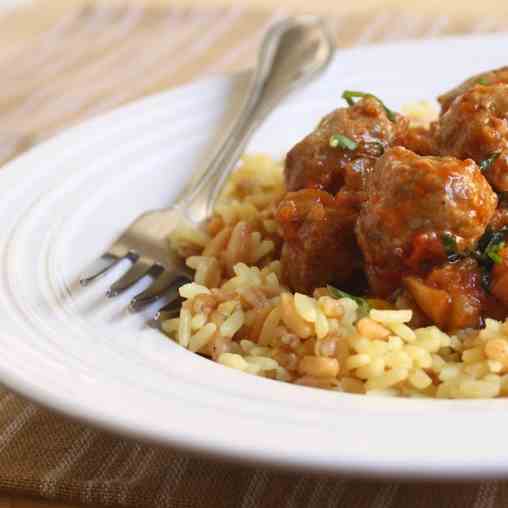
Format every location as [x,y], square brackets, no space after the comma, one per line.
[88,61]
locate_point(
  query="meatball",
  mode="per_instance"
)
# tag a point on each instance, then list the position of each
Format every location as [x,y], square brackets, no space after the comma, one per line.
[413,204]
[420,140]
[313,163]
[500,218]
[485,78]
[319,239]
[476,126]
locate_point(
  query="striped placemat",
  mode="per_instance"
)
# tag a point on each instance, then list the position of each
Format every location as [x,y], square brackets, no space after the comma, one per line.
[87,61]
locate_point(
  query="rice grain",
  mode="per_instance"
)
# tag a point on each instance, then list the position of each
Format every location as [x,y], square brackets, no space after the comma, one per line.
[238,312]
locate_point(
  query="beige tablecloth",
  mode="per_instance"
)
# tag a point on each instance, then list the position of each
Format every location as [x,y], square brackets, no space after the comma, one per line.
[88,61]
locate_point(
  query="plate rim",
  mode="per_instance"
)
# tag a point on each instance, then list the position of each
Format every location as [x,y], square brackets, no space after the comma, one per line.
[62,406]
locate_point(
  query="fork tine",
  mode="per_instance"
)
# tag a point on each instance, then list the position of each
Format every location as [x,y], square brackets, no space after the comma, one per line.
[138,270]
[170,310]
[101,266]
[163,283]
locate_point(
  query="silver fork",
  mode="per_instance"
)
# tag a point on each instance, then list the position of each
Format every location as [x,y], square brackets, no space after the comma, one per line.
[293,52]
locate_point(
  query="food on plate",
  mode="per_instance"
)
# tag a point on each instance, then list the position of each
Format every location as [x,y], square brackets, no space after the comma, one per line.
[485,78]
[344,146]
[475,127]
[372,261]
[319,238]
[412,203]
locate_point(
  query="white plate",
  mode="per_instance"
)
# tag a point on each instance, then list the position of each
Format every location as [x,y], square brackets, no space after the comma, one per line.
[73,351]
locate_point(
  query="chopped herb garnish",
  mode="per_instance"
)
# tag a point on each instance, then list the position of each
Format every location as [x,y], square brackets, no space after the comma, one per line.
[488,252]
[493,252]
[340,141]
[363,305]
[486,164]
[349,96]
[449,244]
[490,246]
[483,81]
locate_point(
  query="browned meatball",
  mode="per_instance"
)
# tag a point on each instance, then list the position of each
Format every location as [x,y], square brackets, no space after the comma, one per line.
[413,202]
[485,78]
[319,239]
[500,217]
[476,126]
[420,140]
[313,163]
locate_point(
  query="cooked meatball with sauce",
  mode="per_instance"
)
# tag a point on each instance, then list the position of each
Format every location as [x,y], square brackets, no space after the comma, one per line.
[319,240]
[485,78]
[313,163]
[500,217]
[476,126]
[318,227]
[413,202]
[407,207]
[420,140]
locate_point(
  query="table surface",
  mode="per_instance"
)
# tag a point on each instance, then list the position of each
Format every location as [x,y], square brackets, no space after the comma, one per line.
[19,502]
[24,24]
[466,8]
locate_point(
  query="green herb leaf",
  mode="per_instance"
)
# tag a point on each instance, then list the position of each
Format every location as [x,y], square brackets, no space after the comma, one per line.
[493,246]
[449,244]
[363,305]
[493,252]
[486,164]
[340,141]
[483,81]
[350,95]
[488,252]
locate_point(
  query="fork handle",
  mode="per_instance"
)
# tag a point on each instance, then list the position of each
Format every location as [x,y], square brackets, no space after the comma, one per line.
[293,52]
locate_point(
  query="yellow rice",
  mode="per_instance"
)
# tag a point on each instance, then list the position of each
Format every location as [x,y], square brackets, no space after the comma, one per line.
[238,313]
